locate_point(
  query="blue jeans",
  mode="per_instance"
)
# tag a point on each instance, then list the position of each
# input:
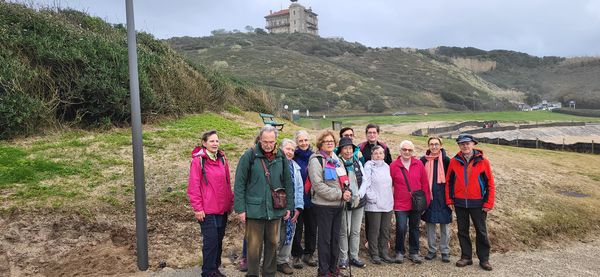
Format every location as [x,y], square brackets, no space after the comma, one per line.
[213,231]
[408,219]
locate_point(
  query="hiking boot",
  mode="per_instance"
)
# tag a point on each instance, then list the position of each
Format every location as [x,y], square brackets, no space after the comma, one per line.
[244,265]
[357,263]
[486,265]
[399,258]
[309,259]
[343,264]
[430,256]
[297,263]
[464,262]
[446,258]
[285,269]
[375,260]
[415,258]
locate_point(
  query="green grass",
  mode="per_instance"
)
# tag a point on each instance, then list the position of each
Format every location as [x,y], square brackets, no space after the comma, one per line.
[514,116]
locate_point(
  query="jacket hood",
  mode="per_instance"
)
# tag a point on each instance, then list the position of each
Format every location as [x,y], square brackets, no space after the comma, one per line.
[200,151]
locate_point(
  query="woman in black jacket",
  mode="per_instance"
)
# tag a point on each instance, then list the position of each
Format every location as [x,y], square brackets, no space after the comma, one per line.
[436,162]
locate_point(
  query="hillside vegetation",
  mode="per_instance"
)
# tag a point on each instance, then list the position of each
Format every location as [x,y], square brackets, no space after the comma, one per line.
[310,72]
[550,78]
[66,67]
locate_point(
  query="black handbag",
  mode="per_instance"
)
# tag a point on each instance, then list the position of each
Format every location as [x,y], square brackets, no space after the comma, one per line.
[277,195]
[417,197]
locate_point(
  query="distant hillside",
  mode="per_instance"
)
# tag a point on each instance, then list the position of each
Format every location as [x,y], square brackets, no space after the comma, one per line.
[65,67]
[551,78]
[309,72]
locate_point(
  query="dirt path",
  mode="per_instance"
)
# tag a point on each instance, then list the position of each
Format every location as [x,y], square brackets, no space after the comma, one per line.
[576,259]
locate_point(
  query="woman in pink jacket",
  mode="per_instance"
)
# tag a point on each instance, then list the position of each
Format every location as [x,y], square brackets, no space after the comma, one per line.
[211,197]
[407,167]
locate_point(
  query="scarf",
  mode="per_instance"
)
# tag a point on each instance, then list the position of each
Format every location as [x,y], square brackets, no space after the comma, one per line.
[441,177]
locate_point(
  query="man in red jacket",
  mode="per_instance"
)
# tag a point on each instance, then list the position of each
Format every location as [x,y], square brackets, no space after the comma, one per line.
[470,193]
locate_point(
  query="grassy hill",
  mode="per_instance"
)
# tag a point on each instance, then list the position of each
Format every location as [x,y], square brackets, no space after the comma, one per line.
[63,67]
[309,72]
[551,78]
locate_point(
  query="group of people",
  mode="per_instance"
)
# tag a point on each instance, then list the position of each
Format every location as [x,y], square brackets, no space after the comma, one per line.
[294,194]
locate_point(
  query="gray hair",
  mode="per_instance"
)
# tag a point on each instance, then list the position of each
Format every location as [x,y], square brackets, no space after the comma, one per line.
[287,141]
[267,129]
[407,143]
[299,134]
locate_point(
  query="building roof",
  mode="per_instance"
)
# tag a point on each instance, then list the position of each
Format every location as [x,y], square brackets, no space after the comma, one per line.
[281,12]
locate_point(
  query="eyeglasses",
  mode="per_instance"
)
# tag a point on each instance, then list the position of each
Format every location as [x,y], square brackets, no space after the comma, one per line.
[371,133]
[348,135]
[435,144]
[406,150]
[328,141]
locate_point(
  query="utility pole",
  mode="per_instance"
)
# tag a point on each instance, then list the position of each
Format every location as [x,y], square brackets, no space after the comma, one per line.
[141,221]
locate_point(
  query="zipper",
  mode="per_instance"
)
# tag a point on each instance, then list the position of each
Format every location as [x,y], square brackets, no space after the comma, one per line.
[466,179]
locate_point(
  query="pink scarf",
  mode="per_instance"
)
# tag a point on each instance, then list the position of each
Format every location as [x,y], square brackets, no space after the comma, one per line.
[441,176]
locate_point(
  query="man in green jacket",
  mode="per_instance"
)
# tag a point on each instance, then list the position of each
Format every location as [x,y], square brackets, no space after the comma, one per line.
[261,169]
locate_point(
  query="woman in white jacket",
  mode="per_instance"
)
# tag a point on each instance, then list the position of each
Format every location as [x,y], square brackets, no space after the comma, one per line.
[379,206]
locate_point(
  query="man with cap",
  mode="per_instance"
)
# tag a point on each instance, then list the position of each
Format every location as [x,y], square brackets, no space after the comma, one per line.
[470,193]
[353,214]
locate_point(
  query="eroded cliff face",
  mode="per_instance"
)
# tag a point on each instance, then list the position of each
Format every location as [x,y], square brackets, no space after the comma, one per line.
[474,65]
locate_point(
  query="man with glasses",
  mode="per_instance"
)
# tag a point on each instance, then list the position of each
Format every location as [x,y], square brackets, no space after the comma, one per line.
[262,169]
[372,134]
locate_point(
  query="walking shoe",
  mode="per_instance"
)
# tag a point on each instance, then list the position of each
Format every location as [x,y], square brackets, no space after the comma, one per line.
[343,264]
[399,258]
[357,263]
[415,258]
[375,260]
[338,273]
[446,258]
[486,265]
[430,256]
[309,259]
[297,263]
[285,269]
[387,259]
[244,265]
[464,262]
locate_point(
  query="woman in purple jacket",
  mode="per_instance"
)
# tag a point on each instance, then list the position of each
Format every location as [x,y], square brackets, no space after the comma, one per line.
[211,197]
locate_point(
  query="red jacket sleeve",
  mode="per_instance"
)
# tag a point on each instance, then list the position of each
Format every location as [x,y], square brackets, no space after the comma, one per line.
[489,204]
[194,183]
[447,186]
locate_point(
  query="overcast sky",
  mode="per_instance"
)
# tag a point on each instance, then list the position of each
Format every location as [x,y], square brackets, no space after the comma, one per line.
[536,27]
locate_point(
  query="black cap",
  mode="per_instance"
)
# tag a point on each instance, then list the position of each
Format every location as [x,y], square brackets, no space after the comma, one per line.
[345,142]
[465,137]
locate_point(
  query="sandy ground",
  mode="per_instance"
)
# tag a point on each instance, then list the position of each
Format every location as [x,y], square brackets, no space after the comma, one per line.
[576,259]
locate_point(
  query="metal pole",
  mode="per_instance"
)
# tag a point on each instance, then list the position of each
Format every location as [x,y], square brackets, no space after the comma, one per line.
[141,221]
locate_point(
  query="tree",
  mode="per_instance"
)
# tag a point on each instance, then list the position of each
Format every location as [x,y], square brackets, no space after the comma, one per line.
[249,28]
[260,31]
[218,32]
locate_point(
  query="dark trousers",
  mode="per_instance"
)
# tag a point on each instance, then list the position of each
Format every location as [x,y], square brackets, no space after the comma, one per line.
[482,244]
[307,223]
[378,233]
[408,219]
[329,224]
[213,231]
[262,234]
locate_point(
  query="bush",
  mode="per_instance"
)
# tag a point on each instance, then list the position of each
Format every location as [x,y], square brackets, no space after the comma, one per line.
[578,112]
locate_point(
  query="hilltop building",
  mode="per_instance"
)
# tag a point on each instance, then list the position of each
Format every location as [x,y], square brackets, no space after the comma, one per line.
[295,19]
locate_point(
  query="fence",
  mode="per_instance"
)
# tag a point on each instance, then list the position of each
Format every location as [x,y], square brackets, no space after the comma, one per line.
[580,147]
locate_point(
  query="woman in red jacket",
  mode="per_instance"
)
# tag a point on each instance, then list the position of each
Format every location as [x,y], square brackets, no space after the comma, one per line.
[411,168]
[211,197]
[470,193]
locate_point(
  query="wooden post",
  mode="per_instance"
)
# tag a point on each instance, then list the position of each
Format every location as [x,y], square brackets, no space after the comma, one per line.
[498,139]
[563,146]
[593,147]
[517,141]
[537,141]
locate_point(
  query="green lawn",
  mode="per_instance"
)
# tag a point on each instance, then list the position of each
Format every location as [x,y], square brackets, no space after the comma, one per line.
[512,116]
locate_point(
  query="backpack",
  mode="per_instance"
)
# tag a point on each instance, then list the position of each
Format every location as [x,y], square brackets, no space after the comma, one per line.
[204,171]
[307,183]
[359,179]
